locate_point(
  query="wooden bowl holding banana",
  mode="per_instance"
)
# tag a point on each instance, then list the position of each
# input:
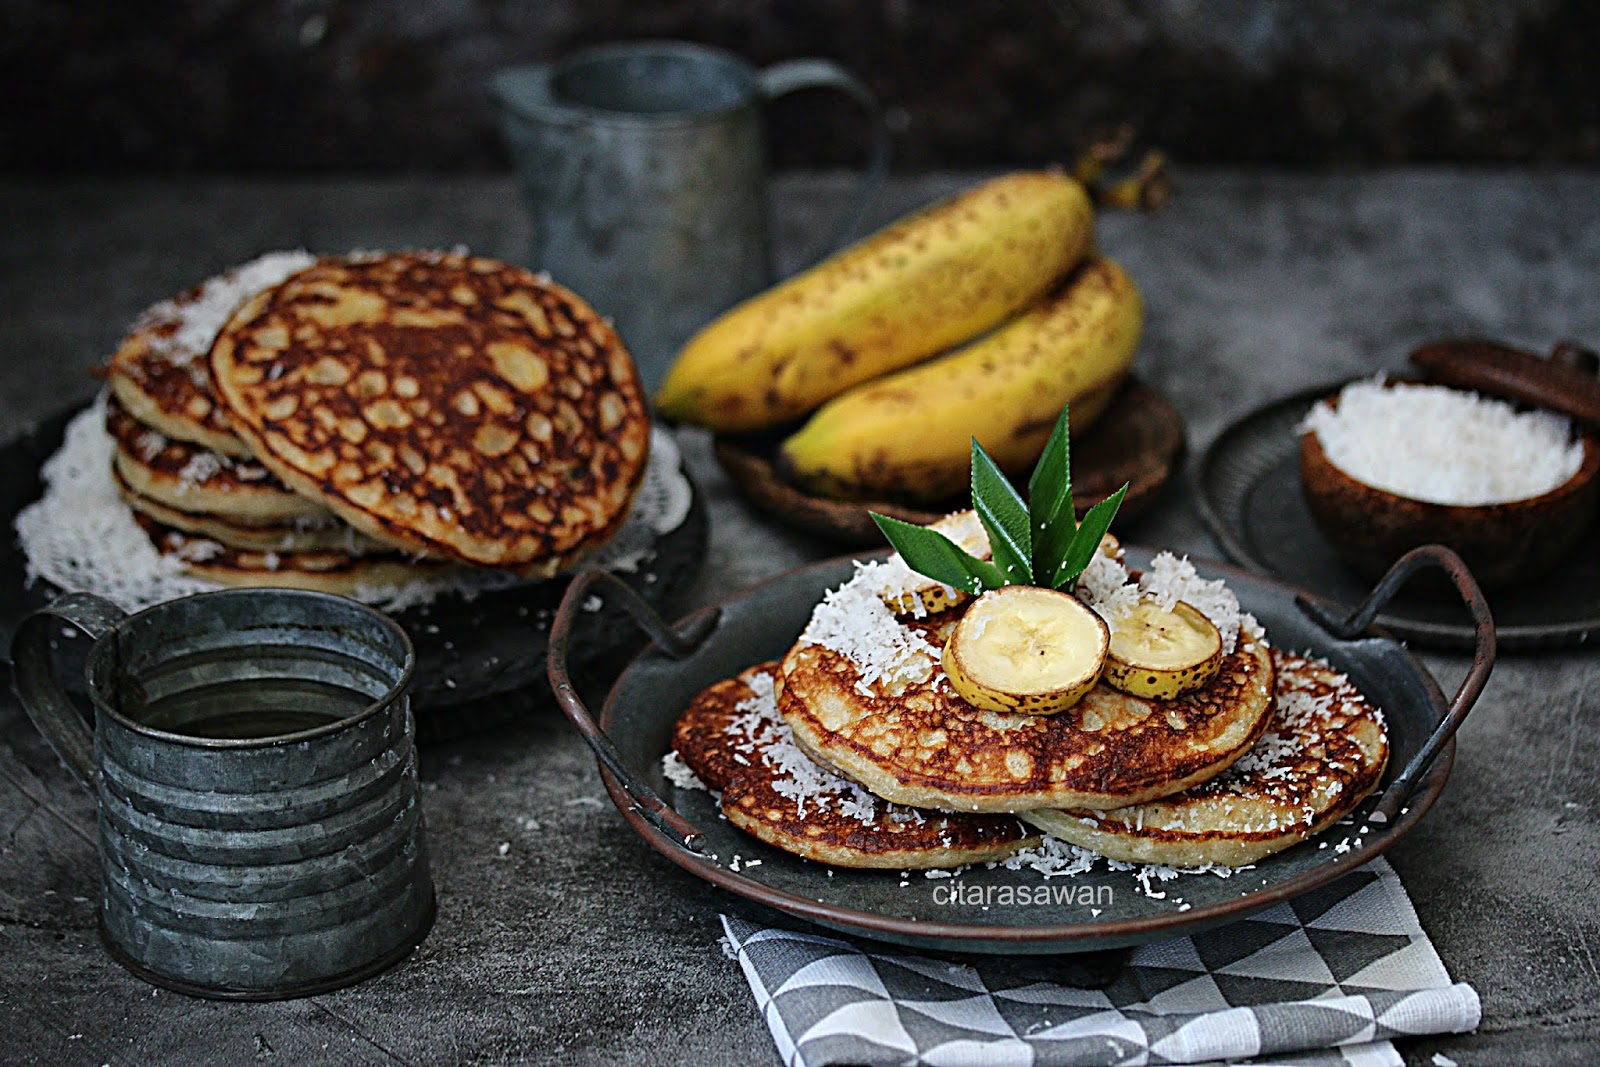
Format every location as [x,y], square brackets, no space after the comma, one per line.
[865,378]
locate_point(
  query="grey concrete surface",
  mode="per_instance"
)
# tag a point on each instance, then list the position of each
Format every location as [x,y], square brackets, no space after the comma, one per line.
[561,938]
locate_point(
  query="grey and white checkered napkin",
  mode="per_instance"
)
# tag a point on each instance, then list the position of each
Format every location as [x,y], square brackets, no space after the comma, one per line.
[1327,978]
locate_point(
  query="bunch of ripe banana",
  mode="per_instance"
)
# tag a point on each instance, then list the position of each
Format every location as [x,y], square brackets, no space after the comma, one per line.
[977,317]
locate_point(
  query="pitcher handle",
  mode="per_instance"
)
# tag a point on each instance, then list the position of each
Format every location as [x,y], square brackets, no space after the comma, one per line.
[40,691]
[796,74]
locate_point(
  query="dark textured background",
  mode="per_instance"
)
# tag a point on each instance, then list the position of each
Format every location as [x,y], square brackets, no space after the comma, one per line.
[384,85]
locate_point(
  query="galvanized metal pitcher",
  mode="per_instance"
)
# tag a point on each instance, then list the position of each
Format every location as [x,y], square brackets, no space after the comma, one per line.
[644,167]
[260,830]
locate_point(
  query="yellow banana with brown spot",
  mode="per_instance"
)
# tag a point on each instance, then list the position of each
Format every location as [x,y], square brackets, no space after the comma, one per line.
[908,435]
[932,280]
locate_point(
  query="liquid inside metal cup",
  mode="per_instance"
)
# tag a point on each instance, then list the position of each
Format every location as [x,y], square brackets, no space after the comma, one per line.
[261,835]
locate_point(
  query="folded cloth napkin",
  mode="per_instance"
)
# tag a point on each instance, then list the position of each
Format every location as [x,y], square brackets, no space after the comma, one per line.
[1327,978]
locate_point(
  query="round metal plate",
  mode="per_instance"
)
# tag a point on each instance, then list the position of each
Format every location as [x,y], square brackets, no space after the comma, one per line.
[1248,486]
[762,622]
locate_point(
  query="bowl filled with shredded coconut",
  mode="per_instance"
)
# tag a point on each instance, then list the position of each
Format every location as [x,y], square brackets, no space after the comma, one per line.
[1389,465]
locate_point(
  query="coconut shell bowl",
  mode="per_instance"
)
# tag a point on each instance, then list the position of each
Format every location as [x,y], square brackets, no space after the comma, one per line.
[1502,543]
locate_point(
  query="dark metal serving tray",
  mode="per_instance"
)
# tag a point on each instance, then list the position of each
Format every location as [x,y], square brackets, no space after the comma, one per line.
[760,623]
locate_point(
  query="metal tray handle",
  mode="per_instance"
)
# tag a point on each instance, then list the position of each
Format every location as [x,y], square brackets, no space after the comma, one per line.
[675,643]
[1483,656]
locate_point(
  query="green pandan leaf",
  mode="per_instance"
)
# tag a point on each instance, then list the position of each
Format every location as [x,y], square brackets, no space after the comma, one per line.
[931,553]
[1087,540]
[1004,517]
[1053,523]
[1040,541]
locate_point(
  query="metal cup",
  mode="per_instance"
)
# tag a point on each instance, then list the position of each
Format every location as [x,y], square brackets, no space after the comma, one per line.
[644,167]
[261,835]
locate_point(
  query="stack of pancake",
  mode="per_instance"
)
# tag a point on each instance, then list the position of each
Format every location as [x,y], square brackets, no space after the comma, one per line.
[855,750]
[358,421]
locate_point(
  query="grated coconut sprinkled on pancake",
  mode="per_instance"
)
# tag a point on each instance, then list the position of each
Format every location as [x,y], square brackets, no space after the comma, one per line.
[1106,586]
[853,621]
[679,773]
[199,320]
[151,443]
[757,731]
[1303,715]
[201,468]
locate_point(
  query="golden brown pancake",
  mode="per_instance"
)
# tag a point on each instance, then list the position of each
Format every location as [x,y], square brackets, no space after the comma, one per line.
[160,372]
[325,572]
[889,719]
[441,403]
[734,741]
[1324,751]
[189,477]
[300,536]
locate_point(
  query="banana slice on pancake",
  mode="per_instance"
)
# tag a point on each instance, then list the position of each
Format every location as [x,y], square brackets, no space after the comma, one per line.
[1025,649]
[916,595]
[908,593]
[1162,652]
[445,404]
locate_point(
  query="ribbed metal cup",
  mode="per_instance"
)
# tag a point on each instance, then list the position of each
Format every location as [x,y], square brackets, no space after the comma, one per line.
[260,829]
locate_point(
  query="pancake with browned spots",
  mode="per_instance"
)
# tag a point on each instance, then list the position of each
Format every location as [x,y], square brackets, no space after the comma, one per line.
[441,403]
[325,572]
[301,535]
[1324,751]
[160,372]
[188,477]
[733,739]
[889,719]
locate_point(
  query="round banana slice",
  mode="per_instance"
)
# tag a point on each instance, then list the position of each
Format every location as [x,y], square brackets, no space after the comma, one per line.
[917,594]
[1023,648]
[1159,654]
